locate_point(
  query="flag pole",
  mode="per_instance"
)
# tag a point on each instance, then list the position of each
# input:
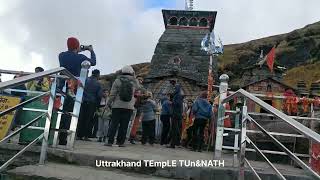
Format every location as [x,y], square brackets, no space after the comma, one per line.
[210,78]
[208,45]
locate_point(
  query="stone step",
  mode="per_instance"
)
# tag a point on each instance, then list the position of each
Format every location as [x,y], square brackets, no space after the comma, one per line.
[86,154]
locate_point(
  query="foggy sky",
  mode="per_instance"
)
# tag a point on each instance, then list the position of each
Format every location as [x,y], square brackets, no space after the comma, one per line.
[33,32]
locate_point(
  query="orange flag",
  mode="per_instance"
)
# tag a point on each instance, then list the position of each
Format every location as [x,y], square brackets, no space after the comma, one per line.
[270,59]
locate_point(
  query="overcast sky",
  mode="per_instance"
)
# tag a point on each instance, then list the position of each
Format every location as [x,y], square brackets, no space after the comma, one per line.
[33,32]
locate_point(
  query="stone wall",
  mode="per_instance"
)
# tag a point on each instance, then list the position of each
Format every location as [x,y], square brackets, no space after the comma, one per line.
[183,44]
[161,86]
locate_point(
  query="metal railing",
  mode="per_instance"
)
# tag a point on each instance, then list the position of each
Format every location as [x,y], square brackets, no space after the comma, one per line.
[242,117]
[55,74]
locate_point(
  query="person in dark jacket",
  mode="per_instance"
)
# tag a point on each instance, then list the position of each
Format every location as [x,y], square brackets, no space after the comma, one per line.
[71,60]
[91,98]
[176,120]
[202,111]
[165,116]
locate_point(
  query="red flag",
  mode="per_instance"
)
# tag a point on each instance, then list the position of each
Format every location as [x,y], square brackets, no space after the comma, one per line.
[270,59]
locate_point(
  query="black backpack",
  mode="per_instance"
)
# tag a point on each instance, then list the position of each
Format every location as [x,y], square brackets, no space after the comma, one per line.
[126,90]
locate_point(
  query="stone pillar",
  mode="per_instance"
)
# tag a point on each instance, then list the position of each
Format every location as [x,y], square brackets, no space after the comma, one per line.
[223,89]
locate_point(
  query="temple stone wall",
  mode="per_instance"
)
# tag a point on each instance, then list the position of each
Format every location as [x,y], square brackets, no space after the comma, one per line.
[192,68]
[178,54]
[160,87]
[185,45]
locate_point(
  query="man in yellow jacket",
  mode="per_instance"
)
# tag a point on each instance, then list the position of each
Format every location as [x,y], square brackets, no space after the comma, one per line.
[41,84]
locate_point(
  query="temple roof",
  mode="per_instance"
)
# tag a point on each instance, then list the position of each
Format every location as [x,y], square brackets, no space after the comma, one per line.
[270,78]
[189,19]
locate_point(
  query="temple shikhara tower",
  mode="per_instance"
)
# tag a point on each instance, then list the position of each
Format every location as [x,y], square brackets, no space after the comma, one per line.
[178,54]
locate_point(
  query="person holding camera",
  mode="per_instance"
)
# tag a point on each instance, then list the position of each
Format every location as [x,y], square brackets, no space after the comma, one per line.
[71,60]
[40,84]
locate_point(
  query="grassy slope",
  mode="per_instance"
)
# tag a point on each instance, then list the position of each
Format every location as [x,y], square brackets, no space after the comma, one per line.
[298,50]
[309,73]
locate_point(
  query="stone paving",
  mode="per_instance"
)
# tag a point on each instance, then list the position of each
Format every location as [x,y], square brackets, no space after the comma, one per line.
[70,172]
[86,154]
[160,153]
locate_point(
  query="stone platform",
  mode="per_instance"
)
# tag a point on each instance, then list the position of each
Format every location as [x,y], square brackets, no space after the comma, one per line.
[85,154]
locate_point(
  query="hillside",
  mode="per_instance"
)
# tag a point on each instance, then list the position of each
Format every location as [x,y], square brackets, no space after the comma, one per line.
[299,48]
[298,51]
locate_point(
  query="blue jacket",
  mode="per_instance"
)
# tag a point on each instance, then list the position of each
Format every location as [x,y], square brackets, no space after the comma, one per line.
[72,61]
[202,109]
[177,101]
[149,110]
[166,107]
[92,91]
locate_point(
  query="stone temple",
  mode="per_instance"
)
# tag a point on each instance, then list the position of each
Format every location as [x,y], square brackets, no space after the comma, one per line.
[178,54]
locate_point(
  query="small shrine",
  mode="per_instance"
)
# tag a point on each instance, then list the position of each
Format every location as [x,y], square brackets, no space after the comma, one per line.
[268,83]
[269,87]
[259,71]
[259,79]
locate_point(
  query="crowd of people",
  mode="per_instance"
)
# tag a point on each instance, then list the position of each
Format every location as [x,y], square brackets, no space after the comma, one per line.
[105,114]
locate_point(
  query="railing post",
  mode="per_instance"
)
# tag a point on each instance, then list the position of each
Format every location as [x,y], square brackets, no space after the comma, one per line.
[56,133]
[223,88]
[313,146]
[236,137]
[243,136]
[77,104]
[48,122]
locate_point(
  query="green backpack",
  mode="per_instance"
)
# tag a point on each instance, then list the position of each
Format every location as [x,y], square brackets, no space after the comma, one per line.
[126,90]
